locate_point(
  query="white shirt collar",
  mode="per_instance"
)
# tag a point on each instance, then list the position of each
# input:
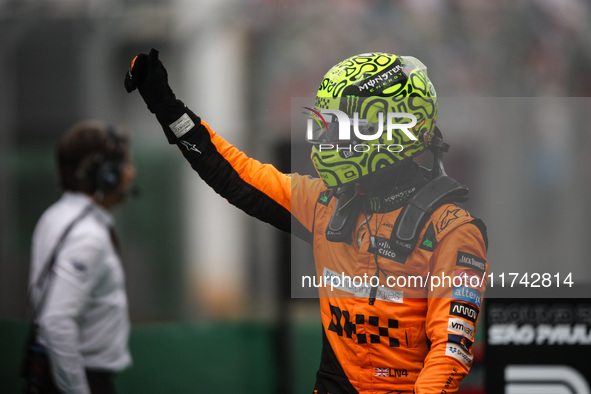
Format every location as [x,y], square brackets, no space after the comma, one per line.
[76,198]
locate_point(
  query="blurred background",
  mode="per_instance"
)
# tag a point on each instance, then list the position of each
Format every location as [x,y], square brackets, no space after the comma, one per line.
[208,286]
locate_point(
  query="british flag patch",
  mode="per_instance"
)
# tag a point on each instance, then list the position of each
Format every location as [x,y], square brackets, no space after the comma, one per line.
[382,372]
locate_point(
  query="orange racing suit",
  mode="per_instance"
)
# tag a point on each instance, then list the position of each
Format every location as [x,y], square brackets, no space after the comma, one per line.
[414,338]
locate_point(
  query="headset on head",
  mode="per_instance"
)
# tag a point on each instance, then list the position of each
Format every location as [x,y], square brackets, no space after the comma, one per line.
[108,172]
[101,172]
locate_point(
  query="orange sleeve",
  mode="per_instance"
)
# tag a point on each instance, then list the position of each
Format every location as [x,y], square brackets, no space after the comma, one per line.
[258,189]
[263,177]
[305,192]
[453,308]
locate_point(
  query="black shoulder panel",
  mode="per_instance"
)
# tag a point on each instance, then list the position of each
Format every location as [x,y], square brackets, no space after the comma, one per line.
[418,209]
[482,227]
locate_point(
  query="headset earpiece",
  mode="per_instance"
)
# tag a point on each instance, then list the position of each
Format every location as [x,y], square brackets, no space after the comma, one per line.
[108,175]
[108,171]
[101,173]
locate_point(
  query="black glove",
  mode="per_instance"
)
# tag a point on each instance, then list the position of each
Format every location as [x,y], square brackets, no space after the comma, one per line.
[148,75]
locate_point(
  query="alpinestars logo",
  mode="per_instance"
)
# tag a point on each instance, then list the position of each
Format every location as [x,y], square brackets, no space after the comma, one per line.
[188,146]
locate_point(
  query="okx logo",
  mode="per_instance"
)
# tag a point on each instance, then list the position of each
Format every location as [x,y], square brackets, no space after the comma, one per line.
[330,129]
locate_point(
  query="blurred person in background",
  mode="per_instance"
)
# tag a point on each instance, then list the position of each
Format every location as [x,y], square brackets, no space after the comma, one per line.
[77,283]
[373,211]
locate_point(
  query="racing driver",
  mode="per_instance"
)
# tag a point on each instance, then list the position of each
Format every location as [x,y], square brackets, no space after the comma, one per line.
[373,211]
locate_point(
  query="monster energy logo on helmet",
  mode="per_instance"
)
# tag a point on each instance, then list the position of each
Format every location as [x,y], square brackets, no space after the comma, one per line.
[392,106]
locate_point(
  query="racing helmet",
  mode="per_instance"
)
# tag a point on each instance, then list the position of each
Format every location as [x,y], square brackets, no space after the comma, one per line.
[372,111]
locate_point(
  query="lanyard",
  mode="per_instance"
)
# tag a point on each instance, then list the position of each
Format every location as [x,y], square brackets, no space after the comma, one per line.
[43,280]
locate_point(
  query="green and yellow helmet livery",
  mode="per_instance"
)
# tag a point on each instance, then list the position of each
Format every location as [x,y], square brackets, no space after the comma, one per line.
[376,92]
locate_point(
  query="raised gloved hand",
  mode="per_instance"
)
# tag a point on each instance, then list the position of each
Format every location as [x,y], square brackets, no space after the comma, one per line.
[148,75]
